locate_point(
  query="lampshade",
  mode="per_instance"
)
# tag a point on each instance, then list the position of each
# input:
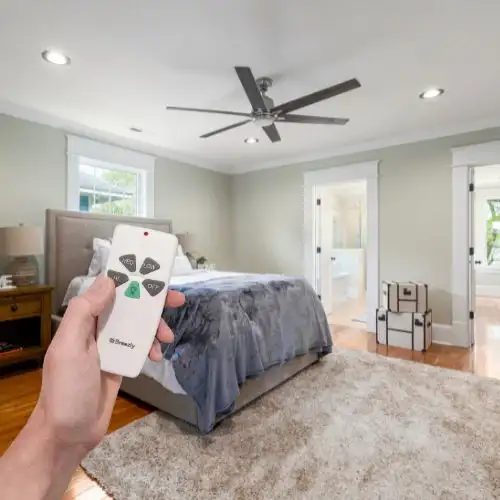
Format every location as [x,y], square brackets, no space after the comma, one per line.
[186,240]
[21,241]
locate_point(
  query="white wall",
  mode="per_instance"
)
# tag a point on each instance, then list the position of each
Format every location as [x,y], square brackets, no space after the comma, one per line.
[414,214]
[33,178]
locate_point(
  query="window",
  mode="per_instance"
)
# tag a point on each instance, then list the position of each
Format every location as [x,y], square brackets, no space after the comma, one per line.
[108,179]
[493,232]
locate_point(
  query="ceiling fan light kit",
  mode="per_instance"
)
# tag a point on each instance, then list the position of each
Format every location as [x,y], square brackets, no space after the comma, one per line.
[265,114]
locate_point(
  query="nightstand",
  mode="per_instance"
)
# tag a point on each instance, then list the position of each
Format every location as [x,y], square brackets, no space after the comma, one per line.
[25,319]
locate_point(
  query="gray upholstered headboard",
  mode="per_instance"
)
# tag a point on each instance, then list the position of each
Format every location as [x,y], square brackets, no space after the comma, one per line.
[68,243]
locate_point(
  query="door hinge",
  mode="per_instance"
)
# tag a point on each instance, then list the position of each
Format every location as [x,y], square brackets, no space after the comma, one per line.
[471,315]
[318,249]
[471,250]
[471,187]
[319,296]
[318,201]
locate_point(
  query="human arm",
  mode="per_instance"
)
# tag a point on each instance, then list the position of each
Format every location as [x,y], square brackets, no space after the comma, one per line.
[75,404]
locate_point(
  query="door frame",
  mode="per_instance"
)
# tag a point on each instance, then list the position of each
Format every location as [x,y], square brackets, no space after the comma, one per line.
[367,171]
[463,160]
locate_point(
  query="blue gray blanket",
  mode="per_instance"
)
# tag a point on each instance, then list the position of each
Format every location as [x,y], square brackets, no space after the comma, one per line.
[233,328]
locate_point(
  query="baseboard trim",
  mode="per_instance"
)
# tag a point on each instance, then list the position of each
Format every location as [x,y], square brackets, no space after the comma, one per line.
[488,290]
[443,343]
[442,334]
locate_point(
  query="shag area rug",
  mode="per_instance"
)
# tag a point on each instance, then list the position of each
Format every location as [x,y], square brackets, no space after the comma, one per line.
[355,426]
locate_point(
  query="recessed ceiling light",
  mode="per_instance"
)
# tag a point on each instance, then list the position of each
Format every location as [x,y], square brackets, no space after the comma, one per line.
[55,57]
[431,93]
[251,140]
[136,129]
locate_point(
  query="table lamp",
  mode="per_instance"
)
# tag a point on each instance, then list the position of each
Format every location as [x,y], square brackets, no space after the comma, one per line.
[22,244]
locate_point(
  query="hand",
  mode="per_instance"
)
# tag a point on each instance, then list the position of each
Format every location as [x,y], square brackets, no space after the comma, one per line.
[77,398]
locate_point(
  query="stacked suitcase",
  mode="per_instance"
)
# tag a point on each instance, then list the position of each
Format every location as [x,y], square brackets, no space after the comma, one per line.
[405,319]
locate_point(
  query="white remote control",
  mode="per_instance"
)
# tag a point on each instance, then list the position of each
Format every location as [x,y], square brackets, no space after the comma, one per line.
[140,263]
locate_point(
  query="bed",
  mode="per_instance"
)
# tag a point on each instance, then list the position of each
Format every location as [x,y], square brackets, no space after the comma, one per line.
[69,249]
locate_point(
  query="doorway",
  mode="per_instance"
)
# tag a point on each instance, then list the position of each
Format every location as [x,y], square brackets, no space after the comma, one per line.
[341,239]
[487,230]
[341,247]
[466,162]
[486,243]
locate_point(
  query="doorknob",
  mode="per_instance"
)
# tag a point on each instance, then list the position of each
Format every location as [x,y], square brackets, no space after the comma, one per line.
[332,258]
[478,262]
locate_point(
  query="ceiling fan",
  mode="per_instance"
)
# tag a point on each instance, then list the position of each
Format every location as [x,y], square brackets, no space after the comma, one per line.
[265,114]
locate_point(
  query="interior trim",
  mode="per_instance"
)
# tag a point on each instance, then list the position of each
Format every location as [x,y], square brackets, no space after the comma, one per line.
[25,113]
[358,171]
[462,272]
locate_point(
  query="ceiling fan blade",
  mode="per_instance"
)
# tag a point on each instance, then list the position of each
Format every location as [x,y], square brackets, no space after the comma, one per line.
[272,132]
[319,120]
[250,86]
[318,96]
[216,111]
[229,127]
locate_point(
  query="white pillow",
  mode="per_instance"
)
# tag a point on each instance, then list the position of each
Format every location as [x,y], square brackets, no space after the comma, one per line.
[77,286]
[180,250]
[99,260]
[182,266]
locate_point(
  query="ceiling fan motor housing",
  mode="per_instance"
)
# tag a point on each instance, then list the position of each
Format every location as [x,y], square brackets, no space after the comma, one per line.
[264,118]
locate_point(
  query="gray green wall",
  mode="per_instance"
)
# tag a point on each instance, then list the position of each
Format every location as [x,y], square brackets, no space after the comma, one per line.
[33,178]
[414,214]
[254,222]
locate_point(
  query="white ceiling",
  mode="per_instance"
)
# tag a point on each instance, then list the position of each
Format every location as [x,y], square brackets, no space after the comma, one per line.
[131,58]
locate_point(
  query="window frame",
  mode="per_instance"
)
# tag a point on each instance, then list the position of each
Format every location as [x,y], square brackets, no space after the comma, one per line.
[96,154]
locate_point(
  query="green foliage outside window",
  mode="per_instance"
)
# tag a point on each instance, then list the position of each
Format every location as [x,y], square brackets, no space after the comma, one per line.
[126,180]
[118,205]
[492,234]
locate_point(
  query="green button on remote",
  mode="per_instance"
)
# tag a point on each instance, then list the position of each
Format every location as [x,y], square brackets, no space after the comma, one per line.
[133,291]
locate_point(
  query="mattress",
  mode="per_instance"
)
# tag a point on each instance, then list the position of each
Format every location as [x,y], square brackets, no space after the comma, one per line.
[163,371]
[233,327]
[236,326]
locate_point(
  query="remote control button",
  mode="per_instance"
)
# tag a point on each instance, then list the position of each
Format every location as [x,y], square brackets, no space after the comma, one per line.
[129,262]
[118,278]
[153,287]
[149,265]
[133,291]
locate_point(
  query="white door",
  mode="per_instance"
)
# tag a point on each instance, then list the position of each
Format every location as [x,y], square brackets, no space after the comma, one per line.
[472,263]
[323,244]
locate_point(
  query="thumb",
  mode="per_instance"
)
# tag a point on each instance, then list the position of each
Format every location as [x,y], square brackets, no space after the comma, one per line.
[83,310]
[98,297]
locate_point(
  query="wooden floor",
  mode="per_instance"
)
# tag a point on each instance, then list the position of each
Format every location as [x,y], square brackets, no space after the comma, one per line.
[18,396]
[18,393]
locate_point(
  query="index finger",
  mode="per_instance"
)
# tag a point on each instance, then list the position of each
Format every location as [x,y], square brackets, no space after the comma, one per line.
[174,299]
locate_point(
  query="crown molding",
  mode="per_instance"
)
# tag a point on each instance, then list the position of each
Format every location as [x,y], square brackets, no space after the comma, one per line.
[32,115]
[70,127]
[372,145]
